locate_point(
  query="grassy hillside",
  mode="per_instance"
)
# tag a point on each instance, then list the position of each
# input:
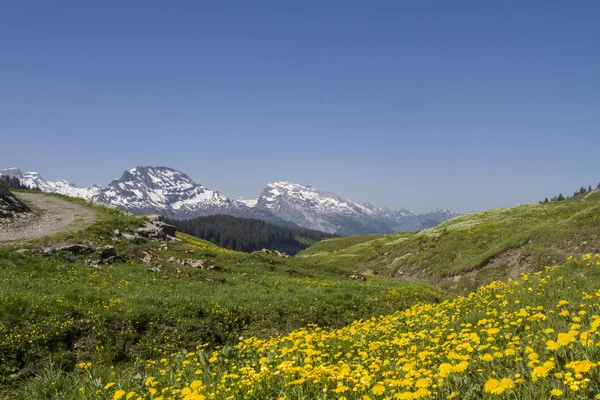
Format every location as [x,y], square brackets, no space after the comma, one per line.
[59,310]
[261,326]
[474,249]
[535,338]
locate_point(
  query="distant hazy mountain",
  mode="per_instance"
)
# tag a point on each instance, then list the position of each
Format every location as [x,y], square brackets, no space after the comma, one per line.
[247,202]
[436,217]
[173,194]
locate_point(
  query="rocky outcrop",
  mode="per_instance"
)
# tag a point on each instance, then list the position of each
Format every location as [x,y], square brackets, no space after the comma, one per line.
[358,278]
[272,253]
[154,228]
[10,206]
[69,249]
[108,254]
[195,263]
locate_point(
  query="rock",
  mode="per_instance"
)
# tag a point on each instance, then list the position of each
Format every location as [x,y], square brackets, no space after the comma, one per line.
[48,251]
[22,251]
[10,206]
[75,249]
[272,252]
[108,254]
[154,218]
[195,263]
[157,230]
[358,277]
[137,239]
[148,258]
[117,232]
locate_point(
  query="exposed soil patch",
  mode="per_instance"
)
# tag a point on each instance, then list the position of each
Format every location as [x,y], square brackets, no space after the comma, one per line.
[509,264]
[512,260]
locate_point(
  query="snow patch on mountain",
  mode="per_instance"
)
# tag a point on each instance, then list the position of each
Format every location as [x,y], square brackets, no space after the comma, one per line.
[247,202]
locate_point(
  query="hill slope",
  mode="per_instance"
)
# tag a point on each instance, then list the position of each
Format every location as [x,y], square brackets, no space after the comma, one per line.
[65,301]
[473,249]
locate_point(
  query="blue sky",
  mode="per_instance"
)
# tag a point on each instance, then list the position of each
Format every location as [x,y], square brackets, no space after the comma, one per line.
[416,104]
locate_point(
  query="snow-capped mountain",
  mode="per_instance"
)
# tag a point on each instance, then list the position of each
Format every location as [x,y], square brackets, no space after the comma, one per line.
[436,217]
[397,220]
[35,181]
[159,189]
[328,212]
[315,209]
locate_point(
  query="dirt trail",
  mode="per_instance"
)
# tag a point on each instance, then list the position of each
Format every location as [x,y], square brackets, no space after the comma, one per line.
[590,193]
[58,216]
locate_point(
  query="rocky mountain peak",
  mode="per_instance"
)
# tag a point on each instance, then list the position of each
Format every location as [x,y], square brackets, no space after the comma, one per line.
[165,190]
[12,172]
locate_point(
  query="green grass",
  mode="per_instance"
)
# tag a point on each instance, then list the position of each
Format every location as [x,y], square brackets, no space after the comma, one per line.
[460,253]
[58,310]
[539,335]
[595,195]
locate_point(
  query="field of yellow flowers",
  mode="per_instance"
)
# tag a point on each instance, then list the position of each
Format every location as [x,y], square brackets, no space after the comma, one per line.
[58,311]
[533,338]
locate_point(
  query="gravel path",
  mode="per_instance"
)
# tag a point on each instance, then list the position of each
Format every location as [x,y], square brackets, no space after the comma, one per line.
[58,216]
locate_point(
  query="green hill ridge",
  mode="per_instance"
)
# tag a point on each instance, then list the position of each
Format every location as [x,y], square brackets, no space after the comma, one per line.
[473,249]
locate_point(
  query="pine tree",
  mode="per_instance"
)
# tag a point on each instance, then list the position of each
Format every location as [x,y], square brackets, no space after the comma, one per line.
[560,197]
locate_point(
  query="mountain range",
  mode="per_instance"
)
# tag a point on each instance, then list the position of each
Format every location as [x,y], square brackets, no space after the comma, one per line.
[172,193]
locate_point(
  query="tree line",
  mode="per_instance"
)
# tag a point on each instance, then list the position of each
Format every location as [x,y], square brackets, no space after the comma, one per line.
[247,234]
[561,197]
